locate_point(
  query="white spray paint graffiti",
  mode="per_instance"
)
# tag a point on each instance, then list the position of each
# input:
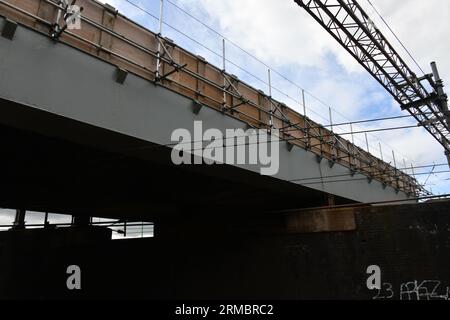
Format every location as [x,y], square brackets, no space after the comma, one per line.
[415,290]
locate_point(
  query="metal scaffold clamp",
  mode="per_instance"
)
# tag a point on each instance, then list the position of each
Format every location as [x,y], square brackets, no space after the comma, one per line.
[70,14]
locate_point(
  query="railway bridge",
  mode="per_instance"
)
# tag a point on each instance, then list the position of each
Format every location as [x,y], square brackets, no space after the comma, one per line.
[87,117]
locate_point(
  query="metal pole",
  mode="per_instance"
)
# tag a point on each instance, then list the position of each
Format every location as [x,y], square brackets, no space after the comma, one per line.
[353,144]
[332,133]
[406,171]
[270,98]
[58,17]
[395,168]
[367,142]
[395,162]
[381,151]
[440,90]
[412,170]
[224,68]
[304,102]
[331,118]
[161,21]
[442,102]
[223,55]
[351,131]
[306,121]
[161,12]
[414,177]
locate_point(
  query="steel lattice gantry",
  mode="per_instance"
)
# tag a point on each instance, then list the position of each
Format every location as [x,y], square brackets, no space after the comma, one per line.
[347,22]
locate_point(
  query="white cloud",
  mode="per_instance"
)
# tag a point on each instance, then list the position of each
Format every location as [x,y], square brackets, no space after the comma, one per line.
[283,33]
[423,27]
[275,30]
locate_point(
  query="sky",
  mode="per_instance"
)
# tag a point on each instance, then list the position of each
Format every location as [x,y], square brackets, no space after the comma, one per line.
[281,35]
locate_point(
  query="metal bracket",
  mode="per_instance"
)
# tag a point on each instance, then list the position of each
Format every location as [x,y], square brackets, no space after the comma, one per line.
[319,158]
[196,107]
[121,75]
[290,146]
[331,163]
[9,29]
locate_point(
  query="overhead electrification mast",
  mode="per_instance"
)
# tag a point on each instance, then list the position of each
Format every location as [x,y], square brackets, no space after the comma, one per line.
[347,22]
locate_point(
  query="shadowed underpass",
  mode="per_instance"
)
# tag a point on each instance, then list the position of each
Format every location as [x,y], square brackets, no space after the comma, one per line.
[86,124]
